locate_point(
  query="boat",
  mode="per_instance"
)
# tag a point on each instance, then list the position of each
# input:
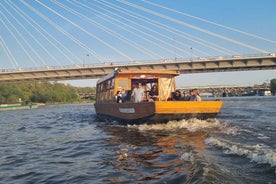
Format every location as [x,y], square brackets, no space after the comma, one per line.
[17,106]
[160,110]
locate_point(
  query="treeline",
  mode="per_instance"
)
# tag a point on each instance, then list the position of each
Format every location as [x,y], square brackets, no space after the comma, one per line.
[41,92]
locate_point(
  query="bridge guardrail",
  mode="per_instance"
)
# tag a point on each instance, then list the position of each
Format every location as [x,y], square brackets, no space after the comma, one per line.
[114,64]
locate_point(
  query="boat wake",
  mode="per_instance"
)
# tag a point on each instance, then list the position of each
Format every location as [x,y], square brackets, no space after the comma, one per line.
[258,153]
[191,125]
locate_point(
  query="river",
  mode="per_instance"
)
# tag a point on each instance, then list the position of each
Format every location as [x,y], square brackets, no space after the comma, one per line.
[65,144]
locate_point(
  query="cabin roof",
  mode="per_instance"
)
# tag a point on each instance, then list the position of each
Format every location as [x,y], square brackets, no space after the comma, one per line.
[163,72]
[131,72]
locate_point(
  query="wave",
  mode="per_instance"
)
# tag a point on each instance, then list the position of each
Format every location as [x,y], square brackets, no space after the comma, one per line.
[257,153]
[191,125]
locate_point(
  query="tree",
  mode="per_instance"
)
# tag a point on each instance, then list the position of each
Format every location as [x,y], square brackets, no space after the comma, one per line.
[273,86]
[12,98]
[45,92]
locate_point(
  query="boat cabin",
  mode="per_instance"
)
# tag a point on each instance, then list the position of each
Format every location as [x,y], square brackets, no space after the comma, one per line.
[158,110]
[127,80]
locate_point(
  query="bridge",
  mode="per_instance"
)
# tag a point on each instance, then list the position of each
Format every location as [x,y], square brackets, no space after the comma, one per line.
[68,40]
[183,66]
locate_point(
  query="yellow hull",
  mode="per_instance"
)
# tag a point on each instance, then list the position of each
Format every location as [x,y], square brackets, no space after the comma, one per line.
[187,107]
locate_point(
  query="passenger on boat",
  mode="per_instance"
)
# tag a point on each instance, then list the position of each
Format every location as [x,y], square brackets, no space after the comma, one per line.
[124,95]
[138,93]
[186,96]
[146,92]
[118,97]
[177,96]
[128,95]
[153,94]
[195,95]
[171,97]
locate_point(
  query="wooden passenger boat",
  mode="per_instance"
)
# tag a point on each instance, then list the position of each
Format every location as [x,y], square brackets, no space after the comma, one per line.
[147,111]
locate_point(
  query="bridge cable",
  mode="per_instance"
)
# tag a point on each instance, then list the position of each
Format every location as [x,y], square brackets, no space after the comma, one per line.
[133,44]
[128,30]
[8,53]
[169,29]
[15,37]
[144,33]
[32,23]
[191,26]
[146,28]
[26,42]
[33,37]
[210,22]
[87,32]
[112,33]
[124,27]
[172,30]
[155,32]
[59,28]
[23,38]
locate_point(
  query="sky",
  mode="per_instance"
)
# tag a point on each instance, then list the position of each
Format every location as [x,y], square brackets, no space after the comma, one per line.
[40,34]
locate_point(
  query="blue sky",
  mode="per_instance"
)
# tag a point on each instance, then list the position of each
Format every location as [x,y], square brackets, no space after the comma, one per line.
[38,34]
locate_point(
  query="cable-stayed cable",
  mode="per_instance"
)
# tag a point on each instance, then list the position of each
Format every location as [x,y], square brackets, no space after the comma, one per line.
[169,29]
[109,31]
[34,38]
[191,26]
[128,28]
[59,28]
[210,22]
[87,32]
[35,26]
[8,53]
[16,39]
[151,30]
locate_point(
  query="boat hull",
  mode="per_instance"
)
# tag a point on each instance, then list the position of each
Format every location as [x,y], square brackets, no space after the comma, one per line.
[157,112]
[6,107]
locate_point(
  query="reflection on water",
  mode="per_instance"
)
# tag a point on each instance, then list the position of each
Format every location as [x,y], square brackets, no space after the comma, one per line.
[160,152]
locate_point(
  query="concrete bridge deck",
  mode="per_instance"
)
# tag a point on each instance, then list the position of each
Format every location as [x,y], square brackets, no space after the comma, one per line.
[183,66]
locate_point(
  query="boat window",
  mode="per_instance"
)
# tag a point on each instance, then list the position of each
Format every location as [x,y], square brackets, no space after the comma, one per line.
[105,90]
[108,84]
[112,83]
[104,86]
[123,84]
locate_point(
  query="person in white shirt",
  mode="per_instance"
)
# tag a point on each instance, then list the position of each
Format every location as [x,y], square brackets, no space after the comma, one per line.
[138,93]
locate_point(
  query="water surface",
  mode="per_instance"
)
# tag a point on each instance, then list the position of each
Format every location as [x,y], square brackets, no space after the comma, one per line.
[65,144]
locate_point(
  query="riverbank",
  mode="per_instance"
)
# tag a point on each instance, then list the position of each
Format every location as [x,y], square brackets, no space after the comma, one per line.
[20,106]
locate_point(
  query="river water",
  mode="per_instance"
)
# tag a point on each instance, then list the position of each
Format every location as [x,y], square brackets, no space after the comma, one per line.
[65,144]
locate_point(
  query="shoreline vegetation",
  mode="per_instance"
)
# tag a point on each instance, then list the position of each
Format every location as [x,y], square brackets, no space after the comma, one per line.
[47,93]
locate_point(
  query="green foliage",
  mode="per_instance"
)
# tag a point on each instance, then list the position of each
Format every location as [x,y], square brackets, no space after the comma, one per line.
[273,86]
[43,92]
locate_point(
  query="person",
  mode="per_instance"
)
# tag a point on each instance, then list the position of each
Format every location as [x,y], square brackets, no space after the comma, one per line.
[186,96]
[123,95]
[177,95]
[195,95]
[128,95]
[153,94]
[146,92]
[171,96]
[118,97]
[138,93]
